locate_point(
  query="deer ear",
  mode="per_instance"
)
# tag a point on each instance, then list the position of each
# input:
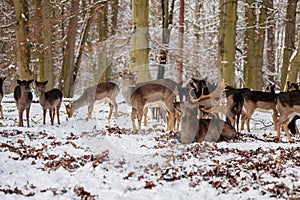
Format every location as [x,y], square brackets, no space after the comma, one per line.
[121,74]
[30,81]
[45,82]
[4,78]
[19,82]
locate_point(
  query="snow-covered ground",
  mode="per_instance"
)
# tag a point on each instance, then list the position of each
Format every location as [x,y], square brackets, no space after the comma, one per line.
[98,159]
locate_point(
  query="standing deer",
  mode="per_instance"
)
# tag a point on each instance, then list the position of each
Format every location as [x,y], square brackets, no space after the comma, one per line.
[23,98]
[288,105]
[292,125]
[103,92]
[198,130]
[139,96]
[1,95]
[261,101]
[49,100]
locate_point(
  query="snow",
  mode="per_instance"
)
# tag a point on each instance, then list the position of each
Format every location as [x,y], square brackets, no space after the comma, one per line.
[98,159]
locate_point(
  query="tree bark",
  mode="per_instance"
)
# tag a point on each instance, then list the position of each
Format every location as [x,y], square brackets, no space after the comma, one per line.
[22,32]
[139,58]
[68,60]
[48,71]
[229,15]
[295,63]
[289,41]
[180,41]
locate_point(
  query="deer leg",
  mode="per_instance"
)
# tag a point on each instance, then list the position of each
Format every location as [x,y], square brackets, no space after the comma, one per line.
[57,113]
[53,115]
[110,111]
[139,116]
[1,112]
[115,105]
[44,116]
[21,117]
[274,116]
[27,116]
[281,119]
[243,119]
[145,116]
[90,110]
[286,130]
[133,114]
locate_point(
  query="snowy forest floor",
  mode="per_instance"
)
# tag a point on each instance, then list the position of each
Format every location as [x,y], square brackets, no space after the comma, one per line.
[98,159]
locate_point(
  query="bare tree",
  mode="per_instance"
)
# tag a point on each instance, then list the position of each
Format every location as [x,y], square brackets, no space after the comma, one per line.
[22,43]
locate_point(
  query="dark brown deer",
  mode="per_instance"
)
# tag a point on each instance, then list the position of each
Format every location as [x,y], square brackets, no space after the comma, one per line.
[139,96]
[1,95]
[288,105]
[23,98]
[49,100]
[261,101]
[292,125]
[198,130]
[103,92]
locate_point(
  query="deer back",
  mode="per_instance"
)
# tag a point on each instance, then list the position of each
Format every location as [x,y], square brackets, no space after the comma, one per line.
[105,90]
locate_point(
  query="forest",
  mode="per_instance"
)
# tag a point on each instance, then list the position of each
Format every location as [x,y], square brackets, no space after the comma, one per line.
[75,44]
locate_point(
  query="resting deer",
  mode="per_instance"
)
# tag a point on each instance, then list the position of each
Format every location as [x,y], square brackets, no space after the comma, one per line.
[1,95]
[49,100]
[198,130]
[23,98]
[139,96]
[103,92]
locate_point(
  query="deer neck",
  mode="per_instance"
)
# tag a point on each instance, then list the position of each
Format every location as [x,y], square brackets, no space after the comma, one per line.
[80,102]
[127,92]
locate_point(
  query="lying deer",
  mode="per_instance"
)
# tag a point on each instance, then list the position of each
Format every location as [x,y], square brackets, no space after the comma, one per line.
[139,96]
[1,95]
[288,105]
[103,92]
[23,98]
[198,130]
[49,100]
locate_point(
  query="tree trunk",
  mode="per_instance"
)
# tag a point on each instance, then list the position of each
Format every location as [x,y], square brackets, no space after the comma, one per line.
[22,32]
[103,61]
[180,41]
[289,41]
[139,60]
[249,75]
[68,60]
[229,15]
[48,71]
[270,40]
[295,63]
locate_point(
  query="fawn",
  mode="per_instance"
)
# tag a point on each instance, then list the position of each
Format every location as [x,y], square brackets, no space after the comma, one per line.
[49,100]
[23,98]
[1,95]
[106,91]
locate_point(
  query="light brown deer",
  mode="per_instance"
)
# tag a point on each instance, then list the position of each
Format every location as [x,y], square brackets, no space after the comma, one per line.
[1,95]
[139,96]
[103,92]
[198,130]
[23,98]
[49,100]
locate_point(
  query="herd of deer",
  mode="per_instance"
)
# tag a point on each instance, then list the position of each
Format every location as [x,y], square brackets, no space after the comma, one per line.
[197,111]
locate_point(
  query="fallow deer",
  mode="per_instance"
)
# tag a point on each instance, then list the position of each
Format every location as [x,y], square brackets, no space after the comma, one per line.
[139,96]
[261,101]
[103,92]
[49,100]
[1,95]
[198,130]
[288,105]
[23,98]
[292,125]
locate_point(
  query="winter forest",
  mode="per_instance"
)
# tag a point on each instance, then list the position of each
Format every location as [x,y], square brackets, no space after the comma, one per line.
[247,43]
[238,140]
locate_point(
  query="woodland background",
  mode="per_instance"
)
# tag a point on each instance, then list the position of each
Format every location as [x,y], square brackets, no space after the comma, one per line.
[77,43]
